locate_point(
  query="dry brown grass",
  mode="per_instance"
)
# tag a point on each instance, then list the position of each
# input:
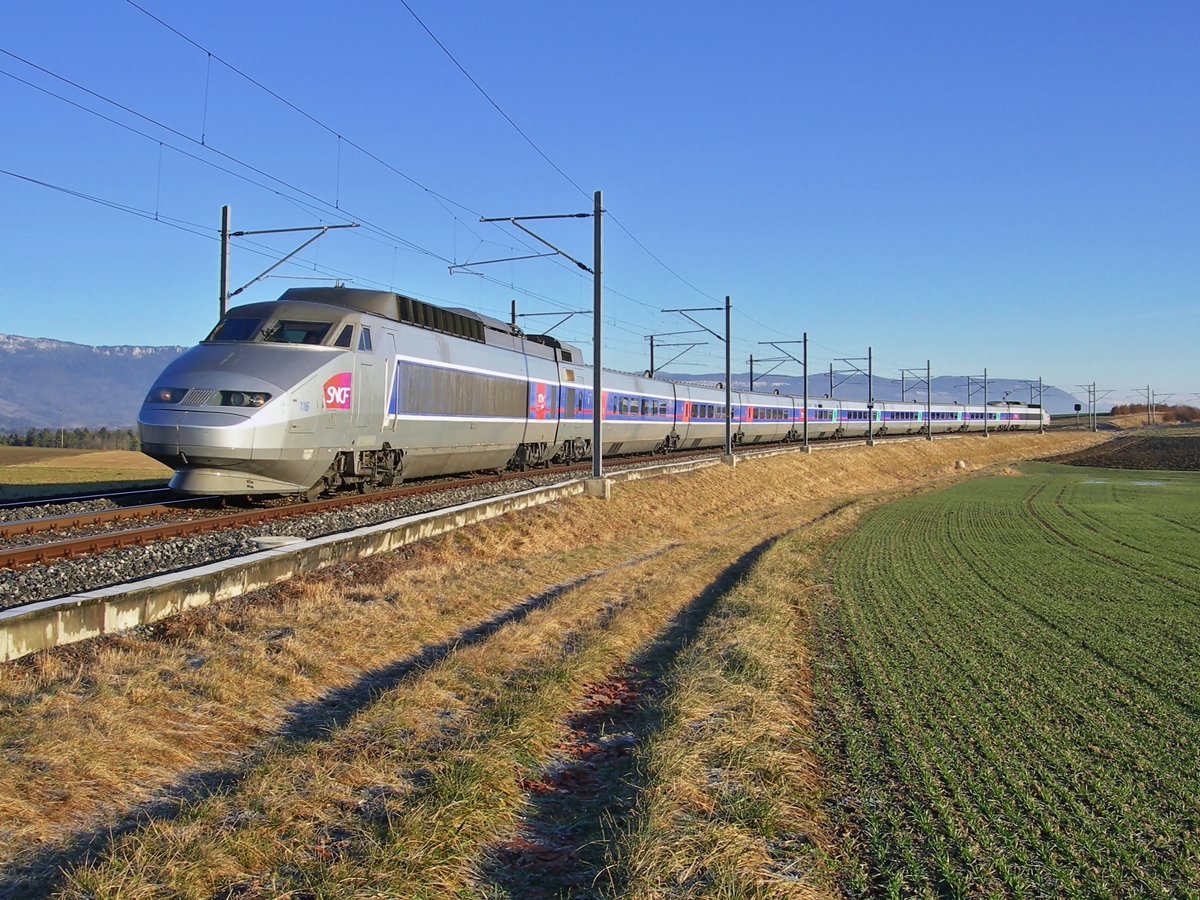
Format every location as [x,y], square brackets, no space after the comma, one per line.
[731,805]
[90,732]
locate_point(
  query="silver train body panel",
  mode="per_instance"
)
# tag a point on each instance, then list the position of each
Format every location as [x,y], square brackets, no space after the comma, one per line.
[336,386]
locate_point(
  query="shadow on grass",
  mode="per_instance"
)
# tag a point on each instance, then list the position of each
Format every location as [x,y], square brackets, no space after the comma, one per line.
[43,871]
[581,803]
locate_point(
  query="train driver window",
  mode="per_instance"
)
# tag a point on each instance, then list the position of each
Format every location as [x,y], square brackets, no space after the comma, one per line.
[345,338]
[286,332]
[364,338]
[235,329]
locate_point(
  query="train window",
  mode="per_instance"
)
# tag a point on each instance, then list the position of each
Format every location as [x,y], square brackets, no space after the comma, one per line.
[430,390]
[645,407]
[364,339]
[285,332]
[346,337]
[624,406]
[235,329]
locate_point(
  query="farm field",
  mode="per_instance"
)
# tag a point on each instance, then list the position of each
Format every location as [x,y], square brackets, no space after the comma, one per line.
[1009,676]
[1168,447]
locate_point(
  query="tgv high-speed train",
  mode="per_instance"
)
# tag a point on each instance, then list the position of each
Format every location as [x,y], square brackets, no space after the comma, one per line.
[327,387]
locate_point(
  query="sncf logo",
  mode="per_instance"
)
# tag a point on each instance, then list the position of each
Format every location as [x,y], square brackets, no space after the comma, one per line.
[337,391]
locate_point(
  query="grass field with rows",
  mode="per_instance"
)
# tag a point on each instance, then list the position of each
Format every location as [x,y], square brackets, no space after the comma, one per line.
[1010,679]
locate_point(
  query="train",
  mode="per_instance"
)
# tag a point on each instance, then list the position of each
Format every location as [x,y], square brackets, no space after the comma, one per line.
[329,388]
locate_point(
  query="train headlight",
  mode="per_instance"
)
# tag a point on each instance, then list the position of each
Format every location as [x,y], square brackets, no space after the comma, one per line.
[252,399]
[165,395]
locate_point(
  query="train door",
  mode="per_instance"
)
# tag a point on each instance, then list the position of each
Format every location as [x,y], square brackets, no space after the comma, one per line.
[390,364]
[365,396]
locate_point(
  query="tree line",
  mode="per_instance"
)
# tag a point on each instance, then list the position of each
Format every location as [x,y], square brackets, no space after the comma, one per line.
[75,438]
[1180,413]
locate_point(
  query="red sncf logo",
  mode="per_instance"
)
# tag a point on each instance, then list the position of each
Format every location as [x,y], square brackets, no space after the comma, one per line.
[337,391]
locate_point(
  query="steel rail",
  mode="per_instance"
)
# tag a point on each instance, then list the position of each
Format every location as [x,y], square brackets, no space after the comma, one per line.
[100,517]
[80,498]
[42,553]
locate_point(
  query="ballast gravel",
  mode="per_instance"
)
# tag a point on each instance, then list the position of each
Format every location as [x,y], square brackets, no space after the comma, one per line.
[71,576]
[45,510]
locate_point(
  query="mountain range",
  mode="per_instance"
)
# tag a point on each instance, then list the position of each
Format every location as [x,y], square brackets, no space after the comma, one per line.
[46,383]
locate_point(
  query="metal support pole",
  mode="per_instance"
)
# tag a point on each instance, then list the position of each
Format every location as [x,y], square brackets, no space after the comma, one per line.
[651,356]
[752,371]
[224,258]
[1041,409]
[597,369]
[901,385]
[514,314]
[831,381]
[985,424]
[806,390]
[928,404]
[870,399]
[728,387]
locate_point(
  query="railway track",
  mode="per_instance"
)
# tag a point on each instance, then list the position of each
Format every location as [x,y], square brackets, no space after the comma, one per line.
[16,557]
[80,498]
[98,517]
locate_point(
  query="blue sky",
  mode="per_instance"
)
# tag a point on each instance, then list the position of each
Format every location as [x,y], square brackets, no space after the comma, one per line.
[1003,185]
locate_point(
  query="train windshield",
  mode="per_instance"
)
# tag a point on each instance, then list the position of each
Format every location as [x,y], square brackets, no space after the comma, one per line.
[280,331]
[290,332]
[232,328]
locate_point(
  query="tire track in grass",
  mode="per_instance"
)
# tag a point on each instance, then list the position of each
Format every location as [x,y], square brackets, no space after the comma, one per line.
[393,829]
[316,720]
[578,800]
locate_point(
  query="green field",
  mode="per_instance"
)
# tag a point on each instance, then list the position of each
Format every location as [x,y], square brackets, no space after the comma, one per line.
[1010,681]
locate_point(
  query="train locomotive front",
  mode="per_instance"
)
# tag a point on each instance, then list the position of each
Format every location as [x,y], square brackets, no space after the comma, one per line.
[264,404]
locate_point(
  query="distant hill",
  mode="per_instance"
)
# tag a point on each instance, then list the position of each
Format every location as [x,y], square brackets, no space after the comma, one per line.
[945,388]
[95,387]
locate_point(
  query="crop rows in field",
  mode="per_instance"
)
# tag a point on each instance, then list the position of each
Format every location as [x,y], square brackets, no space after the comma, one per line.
[1011,677]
